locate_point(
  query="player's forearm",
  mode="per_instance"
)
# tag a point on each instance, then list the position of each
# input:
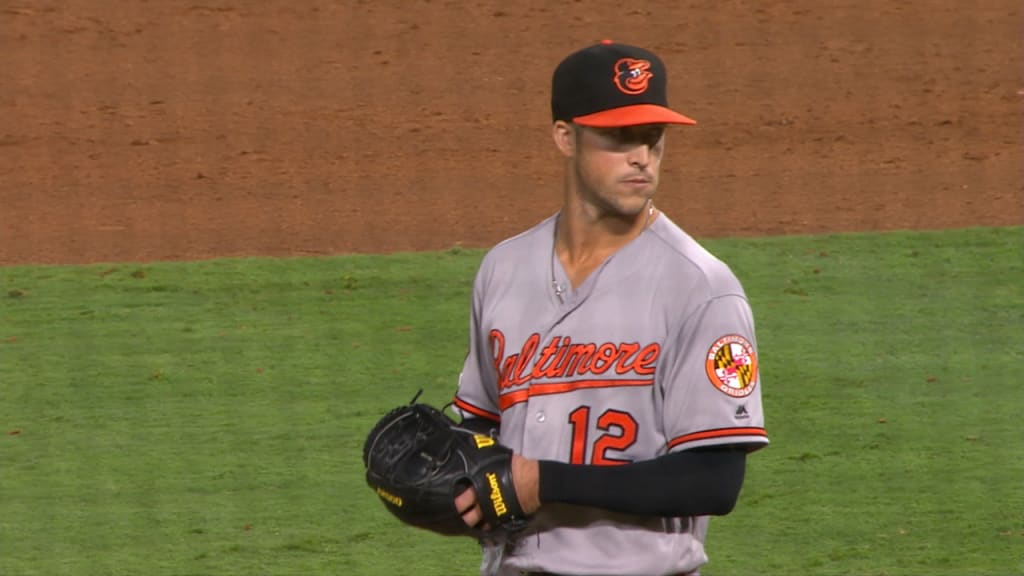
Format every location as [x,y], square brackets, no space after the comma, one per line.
[688,483]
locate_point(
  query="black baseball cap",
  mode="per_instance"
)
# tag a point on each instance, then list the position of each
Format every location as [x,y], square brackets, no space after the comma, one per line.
[609,85]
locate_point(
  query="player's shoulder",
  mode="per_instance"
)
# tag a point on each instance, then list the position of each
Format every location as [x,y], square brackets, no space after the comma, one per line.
[520,249]
[526,241]
[692,261]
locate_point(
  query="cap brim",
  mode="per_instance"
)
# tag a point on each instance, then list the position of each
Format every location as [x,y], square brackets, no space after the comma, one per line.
[632,116]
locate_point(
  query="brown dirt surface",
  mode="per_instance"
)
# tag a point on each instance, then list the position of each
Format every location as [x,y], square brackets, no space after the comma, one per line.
[162,129]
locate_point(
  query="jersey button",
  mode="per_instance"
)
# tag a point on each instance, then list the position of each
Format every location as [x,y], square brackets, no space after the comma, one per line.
[541,417]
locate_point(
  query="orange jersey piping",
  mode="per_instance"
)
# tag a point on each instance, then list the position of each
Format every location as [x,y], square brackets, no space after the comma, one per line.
[717,433]
[476,411]
[510,399]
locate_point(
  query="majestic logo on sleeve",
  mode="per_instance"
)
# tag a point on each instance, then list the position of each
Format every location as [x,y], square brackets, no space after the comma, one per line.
[632,76]
[732,365]
[572,366]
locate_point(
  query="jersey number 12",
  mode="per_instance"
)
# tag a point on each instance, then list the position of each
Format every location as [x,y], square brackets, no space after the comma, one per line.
[619,434]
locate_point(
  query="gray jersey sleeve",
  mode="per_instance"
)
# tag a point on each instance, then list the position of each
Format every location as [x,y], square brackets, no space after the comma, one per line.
[711,382]
[477,394]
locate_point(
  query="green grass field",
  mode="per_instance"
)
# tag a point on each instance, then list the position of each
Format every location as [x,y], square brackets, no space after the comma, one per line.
[207,418]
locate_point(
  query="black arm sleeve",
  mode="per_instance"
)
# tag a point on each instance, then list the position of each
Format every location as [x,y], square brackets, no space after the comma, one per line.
[695,482]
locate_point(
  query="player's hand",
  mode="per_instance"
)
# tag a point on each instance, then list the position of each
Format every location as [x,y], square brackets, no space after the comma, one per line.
[468,508]
[525,476]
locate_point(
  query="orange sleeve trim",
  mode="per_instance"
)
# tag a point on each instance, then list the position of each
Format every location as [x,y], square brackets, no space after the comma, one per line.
[510,399]
[717,433]
[475,410]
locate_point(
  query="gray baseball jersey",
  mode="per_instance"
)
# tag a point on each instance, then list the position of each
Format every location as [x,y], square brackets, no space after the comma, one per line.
[654,352]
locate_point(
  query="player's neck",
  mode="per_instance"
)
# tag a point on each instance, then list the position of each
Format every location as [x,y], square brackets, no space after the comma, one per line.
[585,238]
[583,227]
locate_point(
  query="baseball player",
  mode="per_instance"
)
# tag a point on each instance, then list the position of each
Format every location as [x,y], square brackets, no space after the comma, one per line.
[611,352]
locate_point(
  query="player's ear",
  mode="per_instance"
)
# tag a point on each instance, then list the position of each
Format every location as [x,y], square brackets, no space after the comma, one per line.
[565,138]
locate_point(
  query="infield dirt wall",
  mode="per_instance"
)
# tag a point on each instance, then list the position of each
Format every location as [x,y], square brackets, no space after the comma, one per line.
[161,129]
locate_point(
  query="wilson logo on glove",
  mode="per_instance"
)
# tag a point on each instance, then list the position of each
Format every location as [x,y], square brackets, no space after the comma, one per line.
[483,441]
[499,503]
[389,497]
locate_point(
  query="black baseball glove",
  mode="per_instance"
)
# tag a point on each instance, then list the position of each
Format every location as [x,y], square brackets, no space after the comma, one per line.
[418,460]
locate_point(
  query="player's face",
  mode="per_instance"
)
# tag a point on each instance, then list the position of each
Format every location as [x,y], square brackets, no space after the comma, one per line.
[618,168]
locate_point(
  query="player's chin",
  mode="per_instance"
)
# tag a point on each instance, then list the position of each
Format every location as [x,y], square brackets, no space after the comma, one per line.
[629,210]
[634,198]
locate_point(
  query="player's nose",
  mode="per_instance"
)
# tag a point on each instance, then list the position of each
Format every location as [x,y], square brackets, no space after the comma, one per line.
[639,156]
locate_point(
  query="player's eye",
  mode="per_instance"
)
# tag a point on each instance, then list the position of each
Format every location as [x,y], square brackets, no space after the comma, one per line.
[648,134]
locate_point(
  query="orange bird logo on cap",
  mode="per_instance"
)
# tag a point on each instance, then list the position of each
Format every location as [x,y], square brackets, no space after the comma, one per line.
[632,75]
